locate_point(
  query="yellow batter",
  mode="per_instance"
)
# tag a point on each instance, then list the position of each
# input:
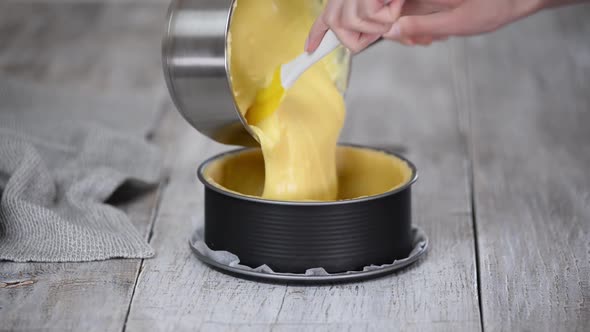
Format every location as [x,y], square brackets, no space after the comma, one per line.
[361,172]
[299,139]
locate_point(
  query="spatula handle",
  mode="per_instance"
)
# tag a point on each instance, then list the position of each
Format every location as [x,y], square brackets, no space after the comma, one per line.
[291,71]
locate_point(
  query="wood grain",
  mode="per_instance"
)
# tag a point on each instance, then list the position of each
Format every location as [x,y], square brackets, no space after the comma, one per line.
[93,46]
[97,48]
[71,296]
[177,292]
[530,109]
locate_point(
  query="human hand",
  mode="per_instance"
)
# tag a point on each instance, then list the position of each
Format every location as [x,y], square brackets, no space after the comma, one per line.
[357,23]
[425,21]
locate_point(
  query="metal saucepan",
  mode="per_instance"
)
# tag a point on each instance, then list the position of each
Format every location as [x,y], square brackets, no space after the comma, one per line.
[196,67]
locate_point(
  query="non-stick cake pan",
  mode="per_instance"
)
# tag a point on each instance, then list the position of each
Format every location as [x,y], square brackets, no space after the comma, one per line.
[294,236]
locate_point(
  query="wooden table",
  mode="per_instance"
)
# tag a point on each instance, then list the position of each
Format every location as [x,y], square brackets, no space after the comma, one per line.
[499,127]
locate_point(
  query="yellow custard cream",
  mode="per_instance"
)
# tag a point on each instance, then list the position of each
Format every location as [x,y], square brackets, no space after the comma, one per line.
[361,172]
[298,140]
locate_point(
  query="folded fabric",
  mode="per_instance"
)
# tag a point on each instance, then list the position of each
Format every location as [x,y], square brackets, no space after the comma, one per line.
[62,155]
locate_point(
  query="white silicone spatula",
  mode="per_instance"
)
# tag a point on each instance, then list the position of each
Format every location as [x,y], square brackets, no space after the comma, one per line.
[291,71]
[269,98]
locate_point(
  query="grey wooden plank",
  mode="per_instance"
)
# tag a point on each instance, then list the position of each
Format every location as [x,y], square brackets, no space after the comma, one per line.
[388,107]
[530,110]
[113,47]
[98,48]
[135,2]
[93,296]
[71,296]
[177,292]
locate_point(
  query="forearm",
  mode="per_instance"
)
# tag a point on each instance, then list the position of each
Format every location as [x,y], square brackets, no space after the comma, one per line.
[523,8]
[558,3]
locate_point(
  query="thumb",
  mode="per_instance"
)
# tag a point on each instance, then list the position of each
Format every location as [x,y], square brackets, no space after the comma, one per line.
[435,25]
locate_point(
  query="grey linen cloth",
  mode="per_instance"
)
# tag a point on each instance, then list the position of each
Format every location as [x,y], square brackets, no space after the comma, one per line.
[62,155]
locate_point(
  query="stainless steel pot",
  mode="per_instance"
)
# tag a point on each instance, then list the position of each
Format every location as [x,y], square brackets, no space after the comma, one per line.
[196,67]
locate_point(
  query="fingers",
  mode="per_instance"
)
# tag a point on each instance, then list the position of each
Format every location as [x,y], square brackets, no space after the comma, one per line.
[333,18]
[321,26]
[351,38]
[357,24]
[353,32]
[423,41]
[412,8]
[389,12]
[424,27]
[316,34]
[355,17]
[365,40]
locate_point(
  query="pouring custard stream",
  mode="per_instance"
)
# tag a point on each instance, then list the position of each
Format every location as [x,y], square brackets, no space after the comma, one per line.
[299,138]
